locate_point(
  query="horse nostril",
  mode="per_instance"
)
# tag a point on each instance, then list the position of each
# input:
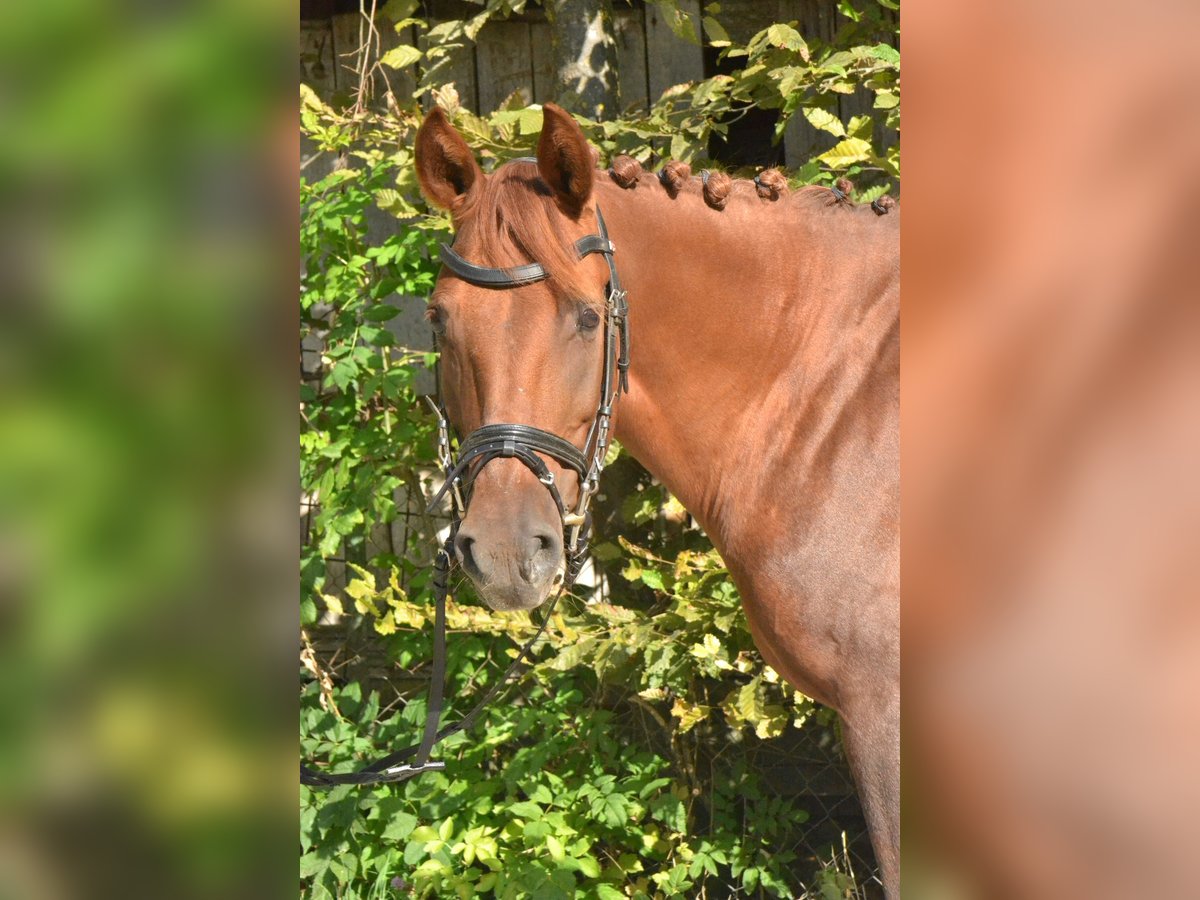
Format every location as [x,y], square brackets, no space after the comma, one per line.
[545,545]
[543,552]
[462,545]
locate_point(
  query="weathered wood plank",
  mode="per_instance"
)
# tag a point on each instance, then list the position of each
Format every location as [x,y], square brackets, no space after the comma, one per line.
[815,20]
[316,57]
[671,59]
[504,62]
[349,33]
[745,18]
[629,26]
[542,62]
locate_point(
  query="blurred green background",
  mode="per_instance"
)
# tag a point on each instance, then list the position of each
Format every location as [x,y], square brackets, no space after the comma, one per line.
[146,479]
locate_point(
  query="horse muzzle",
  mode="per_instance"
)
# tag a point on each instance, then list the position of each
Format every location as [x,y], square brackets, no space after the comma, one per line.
[514,567]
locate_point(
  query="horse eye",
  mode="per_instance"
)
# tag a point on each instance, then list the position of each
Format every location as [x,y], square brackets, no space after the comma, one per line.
[436,317]
[588,319]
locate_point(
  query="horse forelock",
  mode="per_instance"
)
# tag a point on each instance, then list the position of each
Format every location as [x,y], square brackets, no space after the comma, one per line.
[514,219]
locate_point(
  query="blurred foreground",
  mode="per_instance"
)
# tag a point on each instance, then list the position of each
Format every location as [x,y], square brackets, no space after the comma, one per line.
[147,452]
[1051,436]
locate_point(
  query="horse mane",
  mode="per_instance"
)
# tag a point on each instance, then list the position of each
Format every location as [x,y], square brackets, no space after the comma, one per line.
[514,218]
[717,188]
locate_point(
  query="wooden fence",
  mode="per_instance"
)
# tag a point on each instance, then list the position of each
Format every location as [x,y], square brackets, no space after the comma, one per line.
[514,55]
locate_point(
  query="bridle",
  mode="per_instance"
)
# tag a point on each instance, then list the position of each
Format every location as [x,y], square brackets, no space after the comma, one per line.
[523,443]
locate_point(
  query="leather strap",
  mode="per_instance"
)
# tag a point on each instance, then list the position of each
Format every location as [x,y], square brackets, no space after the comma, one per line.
[488,276]
[516,276]
[437,676]
[542,441]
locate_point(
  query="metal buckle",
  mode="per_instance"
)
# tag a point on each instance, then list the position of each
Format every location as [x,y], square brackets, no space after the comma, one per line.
[407,771]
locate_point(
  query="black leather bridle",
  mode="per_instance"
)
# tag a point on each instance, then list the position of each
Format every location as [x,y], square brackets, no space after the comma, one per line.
[527,444]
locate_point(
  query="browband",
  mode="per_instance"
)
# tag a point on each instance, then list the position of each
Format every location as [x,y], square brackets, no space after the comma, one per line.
[529,273]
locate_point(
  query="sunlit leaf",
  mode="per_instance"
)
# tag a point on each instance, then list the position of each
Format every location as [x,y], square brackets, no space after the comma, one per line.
[825,121]
[400,57]
[847,152]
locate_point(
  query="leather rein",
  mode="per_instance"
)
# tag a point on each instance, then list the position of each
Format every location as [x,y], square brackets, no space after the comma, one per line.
[504,441]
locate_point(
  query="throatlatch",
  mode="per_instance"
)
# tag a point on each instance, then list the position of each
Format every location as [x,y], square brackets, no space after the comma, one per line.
[527,444]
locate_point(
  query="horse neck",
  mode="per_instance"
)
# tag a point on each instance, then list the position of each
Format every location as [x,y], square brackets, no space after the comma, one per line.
[740,319]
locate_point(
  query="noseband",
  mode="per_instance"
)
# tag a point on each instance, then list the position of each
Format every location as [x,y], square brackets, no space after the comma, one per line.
[527,444]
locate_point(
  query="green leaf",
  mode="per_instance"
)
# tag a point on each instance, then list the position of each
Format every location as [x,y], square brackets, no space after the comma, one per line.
[375,335]
[536,831]
[788,38]
[679,22]
[382,312]
[312,864]
[825,121]
[886,100]
[401,57]
[653,578]
[887,53]
[717,36]
[525,809]
[588,866]
[308,611]
[860,127]
[606,551]
[790,79]
[529,121]
[398,10]
[343,373]
[681,147]
[846,153]
[773,723]
[652,786]
[612,809]
[401,827]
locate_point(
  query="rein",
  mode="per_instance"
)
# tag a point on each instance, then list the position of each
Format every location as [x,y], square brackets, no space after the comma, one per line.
[505,441]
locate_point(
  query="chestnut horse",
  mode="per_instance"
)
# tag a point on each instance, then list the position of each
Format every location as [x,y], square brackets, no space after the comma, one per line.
[763,393]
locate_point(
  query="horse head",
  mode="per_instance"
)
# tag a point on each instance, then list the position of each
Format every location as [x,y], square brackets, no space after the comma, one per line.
[524,351]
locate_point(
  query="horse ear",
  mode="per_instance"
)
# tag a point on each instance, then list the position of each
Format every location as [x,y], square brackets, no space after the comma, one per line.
[446,167]
[565,161]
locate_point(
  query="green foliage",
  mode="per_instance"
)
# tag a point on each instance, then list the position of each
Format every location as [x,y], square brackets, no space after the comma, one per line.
[364,435]
[594,779]
[551,797]
[778,69]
